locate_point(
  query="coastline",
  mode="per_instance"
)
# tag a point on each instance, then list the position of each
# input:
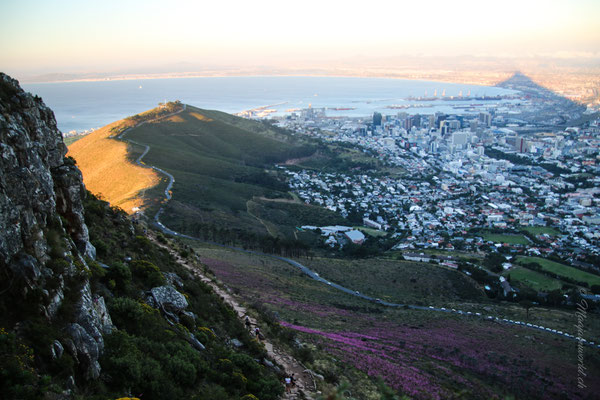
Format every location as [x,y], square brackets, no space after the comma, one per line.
[430,77]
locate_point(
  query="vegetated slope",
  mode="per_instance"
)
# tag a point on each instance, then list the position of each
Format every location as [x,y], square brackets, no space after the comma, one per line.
[107,169]
[106,163]
[149,355]
[105,321]
[420,353]
[219,162]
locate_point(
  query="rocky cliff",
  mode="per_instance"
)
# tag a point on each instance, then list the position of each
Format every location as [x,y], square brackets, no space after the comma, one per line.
[44,241]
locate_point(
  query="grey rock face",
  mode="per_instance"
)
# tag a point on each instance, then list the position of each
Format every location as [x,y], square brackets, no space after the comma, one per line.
[173,279]
[87,349]
[93,317]
[27,269]
[31,146]
[70,193]
[169,299]
[57,350]
[42,220]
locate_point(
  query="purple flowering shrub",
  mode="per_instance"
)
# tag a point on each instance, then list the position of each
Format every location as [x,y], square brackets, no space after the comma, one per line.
[426,355]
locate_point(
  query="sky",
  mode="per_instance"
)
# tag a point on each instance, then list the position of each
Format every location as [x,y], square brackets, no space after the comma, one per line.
[103,36]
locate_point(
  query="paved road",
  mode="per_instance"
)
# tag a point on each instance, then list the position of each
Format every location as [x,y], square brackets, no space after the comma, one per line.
[316,276]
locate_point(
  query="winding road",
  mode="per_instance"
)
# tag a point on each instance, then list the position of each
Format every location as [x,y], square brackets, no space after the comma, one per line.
[315,275]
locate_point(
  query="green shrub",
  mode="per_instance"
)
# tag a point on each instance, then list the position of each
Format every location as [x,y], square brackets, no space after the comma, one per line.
[121,275]
[101,248]
[148,273]
[17,376]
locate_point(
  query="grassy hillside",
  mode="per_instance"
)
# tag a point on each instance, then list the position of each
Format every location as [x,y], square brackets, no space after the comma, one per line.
[108,171]
[562,271]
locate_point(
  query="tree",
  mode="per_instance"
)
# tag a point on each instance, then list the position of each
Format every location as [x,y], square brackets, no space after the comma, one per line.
[555,298]
[526,304]
[493,262]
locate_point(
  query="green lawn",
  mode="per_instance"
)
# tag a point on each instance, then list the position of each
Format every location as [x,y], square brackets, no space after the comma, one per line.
[504,238]
[540,230]
[533,279]
[562,270]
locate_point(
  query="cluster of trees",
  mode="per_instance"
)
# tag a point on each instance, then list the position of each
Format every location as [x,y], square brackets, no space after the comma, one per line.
[263,179]
[246,239]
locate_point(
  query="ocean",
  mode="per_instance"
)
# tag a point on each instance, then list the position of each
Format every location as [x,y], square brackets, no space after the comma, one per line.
[81,106]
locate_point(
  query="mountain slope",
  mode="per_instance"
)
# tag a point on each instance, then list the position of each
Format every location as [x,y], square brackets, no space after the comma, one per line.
[90,307]
[107,169]
[221,165]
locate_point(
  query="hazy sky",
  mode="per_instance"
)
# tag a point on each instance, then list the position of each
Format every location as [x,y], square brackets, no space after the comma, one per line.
[64,36]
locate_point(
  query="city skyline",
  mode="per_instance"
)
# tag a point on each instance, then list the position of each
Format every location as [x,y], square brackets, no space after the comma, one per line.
[66,36]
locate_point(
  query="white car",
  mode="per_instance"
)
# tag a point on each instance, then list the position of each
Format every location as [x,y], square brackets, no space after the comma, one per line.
[478,314]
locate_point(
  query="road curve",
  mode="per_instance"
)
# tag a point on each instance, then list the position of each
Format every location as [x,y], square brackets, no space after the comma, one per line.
[312,274]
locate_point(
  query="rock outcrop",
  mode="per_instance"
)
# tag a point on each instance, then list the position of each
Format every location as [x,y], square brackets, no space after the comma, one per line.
[167,298]
[44,241]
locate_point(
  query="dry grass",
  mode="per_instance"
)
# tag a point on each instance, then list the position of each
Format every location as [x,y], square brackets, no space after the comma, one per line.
[175,118]
[200,117]
[108,172]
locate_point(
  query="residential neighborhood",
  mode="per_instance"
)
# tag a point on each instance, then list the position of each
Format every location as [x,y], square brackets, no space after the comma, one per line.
[464,177]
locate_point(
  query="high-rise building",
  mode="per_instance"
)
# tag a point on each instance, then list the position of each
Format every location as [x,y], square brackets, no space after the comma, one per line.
[485,118]
[432,121]
[520,144]
[473,125]
[460,139]
[377,119]
[433,147]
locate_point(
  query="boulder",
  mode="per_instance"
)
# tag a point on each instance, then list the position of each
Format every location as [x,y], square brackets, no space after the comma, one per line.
[166,297]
